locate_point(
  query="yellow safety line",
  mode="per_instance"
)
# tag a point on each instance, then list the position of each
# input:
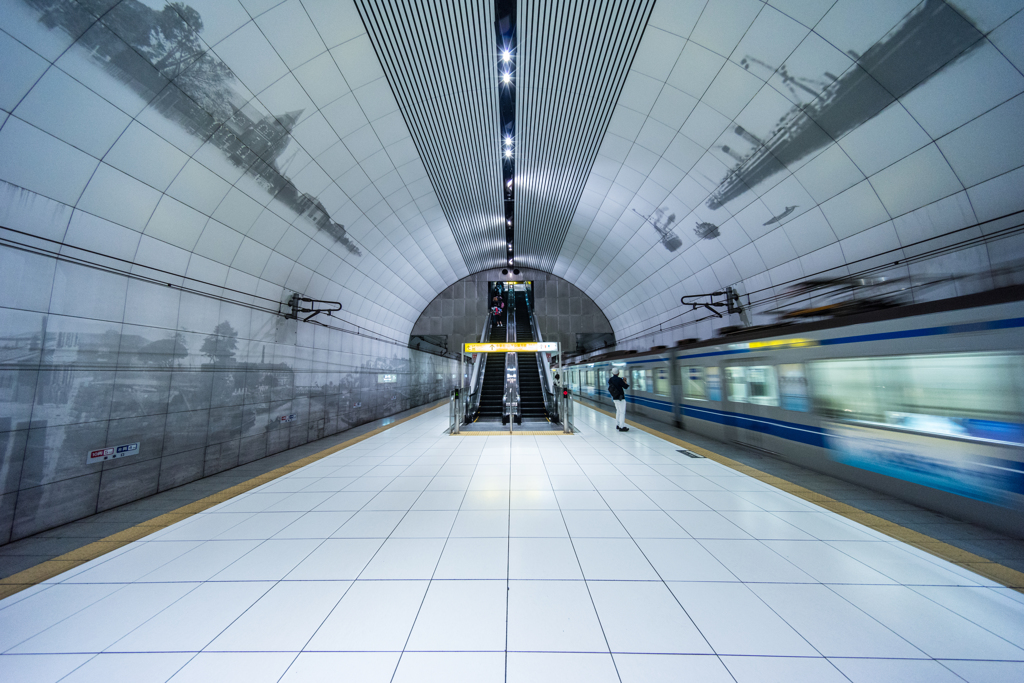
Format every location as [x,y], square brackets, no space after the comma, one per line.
[51,568]
[1011,578]
[518,433]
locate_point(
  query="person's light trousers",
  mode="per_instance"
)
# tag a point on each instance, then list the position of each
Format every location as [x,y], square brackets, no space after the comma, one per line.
[620,413]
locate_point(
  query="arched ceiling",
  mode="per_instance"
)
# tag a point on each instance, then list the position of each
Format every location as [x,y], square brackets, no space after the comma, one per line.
[350,149]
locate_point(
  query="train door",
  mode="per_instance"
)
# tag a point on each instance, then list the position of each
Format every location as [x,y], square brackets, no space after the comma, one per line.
[751,393]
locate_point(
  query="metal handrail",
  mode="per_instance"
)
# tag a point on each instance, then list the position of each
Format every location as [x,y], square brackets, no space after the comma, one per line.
[455,416]
[511,410]
[566,410]
[511,403]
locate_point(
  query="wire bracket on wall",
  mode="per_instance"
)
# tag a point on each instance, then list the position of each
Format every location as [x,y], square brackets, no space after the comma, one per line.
[730,301]
[301,305]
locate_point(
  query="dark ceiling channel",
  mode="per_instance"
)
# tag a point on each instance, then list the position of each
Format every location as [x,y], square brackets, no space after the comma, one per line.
[438,58]
[572,63]
[505,33]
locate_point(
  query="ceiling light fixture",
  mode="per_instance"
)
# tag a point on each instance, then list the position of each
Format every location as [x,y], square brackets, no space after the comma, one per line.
[508,154]
[506,78]
[506,56]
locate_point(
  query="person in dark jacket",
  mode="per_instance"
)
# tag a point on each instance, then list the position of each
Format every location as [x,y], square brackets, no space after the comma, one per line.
[617,388]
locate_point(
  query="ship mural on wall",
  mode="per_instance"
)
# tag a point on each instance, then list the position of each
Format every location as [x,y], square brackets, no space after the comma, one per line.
[929,38]
[160,55]
[663,224]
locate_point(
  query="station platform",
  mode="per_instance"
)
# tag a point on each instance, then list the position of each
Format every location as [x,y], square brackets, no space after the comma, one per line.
[399,553]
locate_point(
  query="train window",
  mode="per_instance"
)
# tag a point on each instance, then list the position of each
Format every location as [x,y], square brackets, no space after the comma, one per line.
[662,387]
[970,395]
[713,383]
[639,381]
[793,388]
[602,376]
[752,384]
[693,383]
[736,384]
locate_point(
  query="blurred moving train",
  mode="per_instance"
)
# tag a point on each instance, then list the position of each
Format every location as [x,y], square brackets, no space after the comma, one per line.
[923,402]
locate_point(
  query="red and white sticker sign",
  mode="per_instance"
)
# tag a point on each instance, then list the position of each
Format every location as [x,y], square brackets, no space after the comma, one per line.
[101,454]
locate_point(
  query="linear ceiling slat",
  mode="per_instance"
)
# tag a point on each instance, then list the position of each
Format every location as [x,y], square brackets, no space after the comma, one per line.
[438,58]
[574,58]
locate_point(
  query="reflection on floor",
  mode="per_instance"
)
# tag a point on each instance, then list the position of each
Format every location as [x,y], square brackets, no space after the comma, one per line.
[604,556]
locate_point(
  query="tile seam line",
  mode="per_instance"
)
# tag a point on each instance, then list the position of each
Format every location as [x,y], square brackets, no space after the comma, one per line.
[48,569]
[1005,576]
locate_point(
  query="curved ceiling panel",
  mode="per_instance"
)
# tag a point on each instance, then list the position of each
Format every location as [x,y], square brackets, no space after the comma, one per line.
[244,144]
[755,144]
[440,59]
[253,148]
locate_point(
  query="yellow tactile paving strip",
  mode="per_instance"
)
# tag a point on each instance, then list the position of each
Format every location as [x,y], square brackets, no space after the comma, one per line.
[1011,578]
[51,568]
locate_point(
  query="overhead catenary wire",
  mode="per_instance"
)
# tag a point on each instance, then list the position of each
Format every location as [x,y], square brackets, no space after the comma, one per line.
[1002,233]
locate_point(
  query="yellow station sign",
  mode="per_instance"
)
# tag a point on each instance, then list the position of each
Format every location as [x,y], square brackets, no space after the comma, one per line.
[511,347]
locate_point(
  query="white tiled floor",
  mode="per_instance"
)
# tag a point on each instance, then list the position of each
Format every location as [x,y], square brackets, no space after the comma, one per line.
[413,556]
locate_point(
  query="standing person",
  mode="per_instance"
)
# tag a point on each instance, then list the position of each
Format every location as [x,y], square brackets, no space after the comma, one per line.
[617,388]
[497,309]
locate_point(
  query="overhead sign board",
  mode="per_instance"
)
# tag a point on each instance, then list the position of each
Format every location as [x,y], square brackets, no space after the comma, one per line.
[512,347]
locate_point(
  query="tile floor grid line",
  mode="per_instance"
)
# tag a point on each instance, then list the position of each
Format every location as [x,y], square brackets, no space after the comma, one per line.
[370,561]
[412,626]
[738,579]
[284,471]
[711,627]
[660,579]
[50,568]
[273,583]
[508,557]
[758,597]
[586,583]
[1006,576]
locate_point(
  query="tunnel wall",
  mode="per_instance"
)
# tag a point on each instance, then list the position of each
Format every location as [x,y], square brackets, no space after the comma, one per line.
[562,309]
[93,359]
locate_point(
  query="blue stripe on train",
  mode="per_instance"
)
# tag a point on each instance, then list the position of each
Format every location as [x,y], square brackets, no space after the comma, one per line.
[792,431]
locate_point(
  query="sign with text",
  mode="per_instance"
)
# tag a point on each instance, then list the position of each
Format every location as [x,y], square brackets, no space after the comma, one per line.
[386,379]
[101,454]
[512,347]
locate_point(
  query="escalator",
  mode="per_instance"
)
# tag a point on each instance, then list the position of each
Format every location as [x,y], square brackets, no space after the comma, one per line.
[532,395]
[492,392]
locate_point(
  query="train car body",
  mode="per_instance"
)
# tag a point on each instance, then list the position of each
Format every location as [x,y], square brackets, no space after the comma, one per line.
[923,402]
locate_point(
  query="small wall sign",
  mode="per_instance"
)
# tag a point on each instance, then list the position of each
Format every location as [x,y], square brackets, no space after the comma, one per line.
[101,454]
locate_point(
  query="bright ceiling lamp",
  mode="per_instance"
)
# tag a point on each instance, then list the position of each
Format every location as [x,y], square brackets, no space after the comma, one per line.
[506,77]
[506,56]
[508,154]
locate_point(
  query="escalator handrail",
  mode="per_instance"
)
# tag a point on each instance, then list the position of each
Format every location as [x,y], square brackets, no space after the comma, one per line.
[511,402]
[543,364]
[476,378]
